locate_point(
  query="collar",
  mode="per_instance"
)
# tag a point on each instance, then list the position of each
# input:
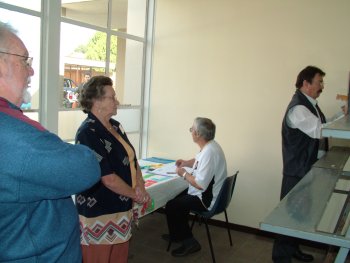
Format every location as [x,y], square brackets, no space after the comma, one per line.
[7,104]
[312,100]
[99,124]
[12,110]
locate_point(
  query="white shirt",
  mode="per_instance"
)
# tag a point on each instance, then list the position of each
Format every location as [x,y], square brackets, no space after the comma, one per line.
[300,117]
[209,161]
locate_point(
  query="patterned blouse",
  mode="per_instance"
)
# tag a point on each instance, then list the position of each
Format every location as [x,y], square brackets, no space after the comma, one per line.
[105,217]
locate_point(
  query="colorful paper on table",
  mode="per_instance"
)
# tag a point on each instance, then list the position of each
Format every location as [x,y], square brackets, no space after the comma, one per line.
[148,183]
[159,160]
[149,166]
[145,176]
[161,187]
[155,179]
[167,170]
[146,165]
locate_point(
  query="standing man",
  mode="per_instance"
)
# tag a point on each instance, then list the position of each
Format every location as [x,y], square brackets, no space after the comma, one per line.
[301,148]
[87,77]
[38,172]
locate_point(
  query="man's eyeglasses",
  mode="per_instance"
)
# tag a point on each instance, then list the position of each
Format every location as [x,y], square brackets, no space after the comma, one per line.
[27,60]
[191,129]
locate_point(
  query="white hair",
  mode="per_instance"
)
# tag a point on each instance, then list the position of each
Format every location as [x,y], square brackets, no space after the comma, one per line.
[5,29]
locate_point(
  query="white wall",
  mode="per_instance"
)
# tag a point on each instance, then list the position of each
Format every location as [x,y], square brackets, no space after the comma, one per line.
[236,61]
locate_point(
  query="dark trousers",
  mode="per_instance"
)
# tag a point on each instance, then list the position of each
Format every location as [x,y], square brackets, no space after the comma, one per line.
[284,247]
[177,213]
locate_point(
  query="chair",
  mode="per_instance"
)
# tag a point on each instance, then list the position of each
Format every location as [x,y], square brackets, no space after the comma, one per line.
[220,205]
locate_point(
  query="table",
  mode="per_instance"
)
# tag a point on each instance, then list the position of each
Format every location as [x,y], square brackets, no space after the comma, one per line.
[317,208]
[161,182]
[338,129]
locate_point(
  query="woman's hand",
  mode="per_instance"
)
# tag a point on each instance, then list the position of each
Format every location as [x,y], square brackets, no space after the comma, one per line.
[141,195]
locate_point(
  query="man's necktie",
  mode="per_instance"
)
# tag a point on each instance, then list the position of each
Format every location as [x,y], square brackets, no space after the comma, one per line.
[323,118]
[323,141]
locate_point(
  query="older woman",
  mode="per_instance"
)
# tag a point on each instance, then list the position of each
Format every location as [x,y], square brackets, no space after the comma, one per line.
[105,210]
[205,180]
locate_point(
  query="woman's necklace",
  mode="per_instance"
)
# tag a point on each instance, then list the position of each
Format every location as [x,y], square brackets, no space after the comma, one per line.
[109,126]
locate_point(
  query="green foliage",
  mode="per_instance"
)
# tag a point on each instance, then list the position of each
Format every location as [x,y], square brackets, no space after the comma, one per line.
[81,49]
[96,48]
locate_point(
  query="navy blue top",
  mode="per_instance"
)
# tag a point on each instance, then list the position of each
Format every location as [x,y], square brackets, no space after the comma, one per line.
[113,158]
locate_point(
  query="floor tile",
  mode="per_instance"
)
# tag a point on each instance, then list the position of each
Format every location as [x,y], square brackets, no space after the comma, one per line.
[147,245]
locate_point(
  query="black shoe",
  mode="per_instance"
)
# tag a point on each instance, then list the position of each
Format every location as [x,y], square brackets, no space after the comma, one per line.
[299,255]
[186,248]
[166,237]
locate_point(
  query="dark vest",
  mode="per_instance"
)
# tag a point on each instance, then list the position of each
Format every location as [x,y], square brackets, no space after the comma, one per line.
[298,149]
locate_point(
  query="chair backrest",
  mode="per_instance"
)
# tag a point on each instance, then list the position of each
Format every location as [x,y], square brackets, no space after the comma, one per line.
[225,194]
[224,197]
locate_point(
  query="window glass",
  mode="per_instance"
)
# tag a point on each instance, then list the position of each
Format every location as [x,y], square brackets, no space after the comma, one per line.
[129,16]
[84,11]
[134,138]
[125,69]
[32,115]
[68,123]
[29,4]
[129,118]
[31,39]
[84,53]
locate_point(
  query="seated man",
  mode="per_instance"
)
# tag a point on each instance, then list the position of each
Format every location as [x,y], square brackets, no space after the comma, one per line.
[205,181]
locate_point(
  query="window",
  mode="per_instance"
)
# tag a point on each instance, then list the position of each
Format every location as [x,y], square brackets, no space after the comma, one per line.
[28,4]
[113,43]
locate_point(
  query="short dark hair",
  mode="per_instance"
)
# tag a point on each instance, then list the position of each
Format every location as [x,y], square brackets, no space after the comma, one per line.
[308,74]
[205,128]
[93,90]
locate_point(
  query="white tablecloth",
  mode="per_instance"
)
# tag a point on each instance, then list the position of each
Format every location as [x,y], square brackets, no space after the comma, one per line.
[161,183]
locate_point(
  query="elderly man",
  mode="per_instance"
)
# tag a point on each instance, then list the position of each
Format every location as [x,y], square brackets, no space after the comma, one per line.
[205,180]
[38,172]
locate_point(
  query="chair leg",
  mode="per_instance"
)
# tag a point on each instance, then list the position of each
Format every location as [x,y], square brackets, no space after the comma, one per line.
[194,219]
[169,245]
[228,228]
[209,239]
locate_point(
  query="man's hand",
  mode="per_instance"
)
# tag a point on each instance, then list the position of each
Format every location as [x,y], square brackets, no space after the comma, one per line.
[180,163]
[345,109]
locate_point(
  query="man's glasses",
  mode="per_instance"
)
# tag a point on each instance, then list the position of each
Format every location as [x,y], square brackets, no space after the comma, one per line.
[27,60]
[191,129]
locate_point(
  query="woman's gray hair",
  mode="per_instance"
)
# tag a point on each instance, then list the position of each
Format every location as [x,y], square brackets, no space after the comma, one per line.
[205,128]
[93,90]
